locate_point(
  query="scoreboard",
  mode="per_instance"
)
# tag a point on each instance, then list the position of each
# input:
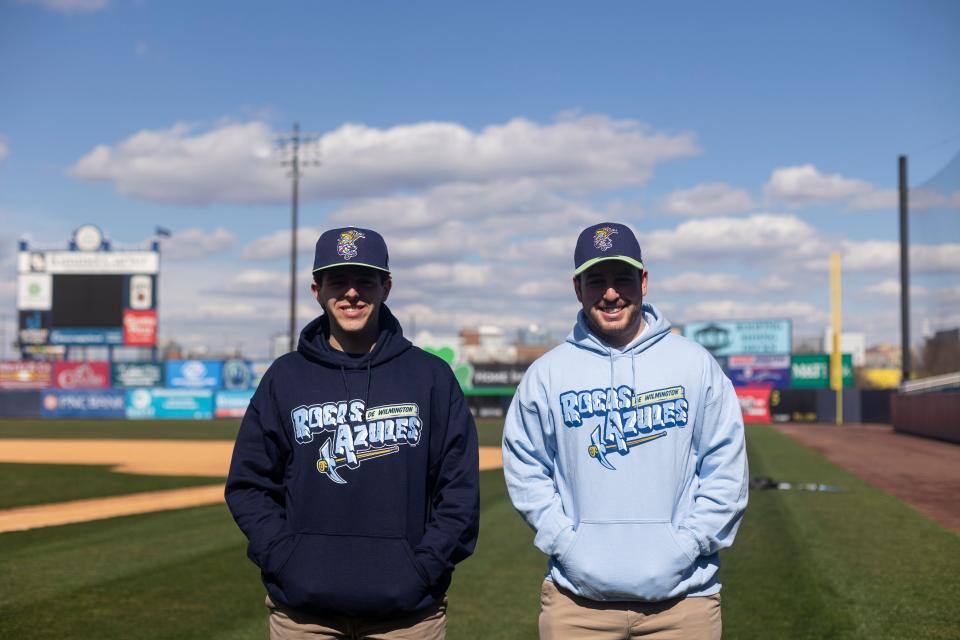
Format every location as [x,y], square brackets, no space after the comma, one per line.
[87,295]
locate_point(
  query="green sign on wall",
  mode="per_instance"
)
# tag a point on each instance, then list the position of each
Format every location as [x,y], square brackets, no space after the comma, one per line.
[812,370]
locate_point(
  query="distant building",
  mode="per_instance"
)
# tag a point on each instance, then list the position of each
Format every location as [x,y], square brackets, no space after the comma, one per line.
[486,344]
[853,343]
[883,356]
[941,353]
[533,336]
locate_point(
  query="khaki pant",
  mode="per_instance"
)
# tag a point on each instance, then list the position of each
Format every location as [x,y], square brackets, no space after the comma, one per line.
[565,616]
[286,624]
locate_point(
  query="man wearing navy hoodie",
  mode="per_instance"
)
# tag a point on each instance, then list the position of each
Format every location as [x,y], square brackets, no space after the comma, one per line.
[623,449]
[355,473]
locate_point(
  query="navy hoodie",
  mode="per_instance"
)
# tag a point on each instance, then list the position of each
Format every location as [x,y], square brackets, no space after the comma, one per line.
[356,479]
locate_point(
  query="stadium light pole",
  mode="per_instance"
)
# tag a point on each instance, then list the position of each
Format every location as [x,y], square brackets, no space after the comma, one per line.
[292,147]
[904,274]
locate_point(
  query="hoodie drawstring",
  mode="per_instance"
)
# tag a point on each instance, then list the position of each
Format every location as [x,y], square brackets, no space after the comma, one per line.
[366,394]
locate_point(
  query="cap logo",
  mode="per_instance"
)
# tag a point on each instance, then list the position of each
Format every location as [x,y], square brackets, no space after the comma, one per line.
[603,238]
[346,245]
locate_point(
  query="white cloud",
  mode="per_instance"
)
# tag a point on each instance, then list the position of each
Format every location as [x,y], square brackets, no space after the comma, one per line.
[775,282]
[876,200]
[755,238]
[947,294]
[883,255]
[694,282]
[196,243]
[218,311]
[708,199]
[804,185]
[891,287]
[277,244]
[803,314]
[4,149]
[141,49]
[69,6]
[921,198]
[446,275]
[234,162]
[259,283]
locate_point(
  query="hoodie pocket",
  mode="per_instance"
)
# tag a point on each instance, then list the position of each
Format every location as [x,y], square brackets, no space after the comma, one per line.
[354,575]
[626,561]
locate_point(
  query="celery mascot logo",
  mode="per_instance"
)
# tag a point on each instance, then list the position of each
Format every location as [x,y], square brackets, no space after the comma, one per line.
[355,434]
[347,244]
[603,238]
[626,419]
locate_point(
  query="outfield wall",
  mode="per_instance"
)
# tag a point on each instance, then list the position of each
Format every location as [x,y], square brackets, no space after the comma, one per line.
[934,415]
[207,389]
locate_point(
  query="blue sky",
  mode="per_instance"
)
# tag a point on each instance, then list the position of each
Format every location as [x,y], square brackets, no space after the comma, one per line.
[743,141]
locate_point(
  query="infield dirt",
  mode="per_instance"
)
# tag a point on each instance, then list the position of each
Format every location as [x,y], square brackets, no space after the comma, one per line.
[148,457]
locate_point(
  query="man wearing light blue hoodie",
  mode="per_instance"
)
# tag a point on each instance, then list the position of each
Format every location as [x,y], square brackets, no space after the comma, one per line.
[624,450]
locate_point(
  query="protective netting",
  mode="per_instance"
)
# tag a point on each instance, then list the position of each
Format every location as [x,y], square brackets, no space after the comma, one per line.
[934,283]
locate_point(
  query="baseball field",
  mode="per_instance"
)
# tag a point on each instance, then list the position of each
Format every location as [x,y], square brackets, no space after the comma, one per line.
[855,563]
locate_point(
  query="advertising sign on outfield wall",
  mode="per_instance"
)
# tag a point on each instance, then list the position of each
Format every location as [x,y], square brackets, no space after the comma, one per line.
[194,374]
[84,336]
[136,374]
[34,327]
[237,375]
[20,404]
[139,328]
[744,337]
[81,375]
[258,368]
[812,370]
[25,375]
[497,375]
[187,404]
[757,371]
[231,404]
[108,403]
[754,404]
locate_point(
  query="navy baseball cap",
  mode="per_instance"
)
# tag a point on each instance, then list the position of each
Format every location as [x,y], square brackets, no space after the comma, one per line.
[351,246]
[606,241]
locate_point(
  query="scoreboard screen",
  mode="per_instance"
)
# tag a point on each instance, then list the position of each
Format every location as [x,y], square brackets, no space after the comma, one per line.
[86,300]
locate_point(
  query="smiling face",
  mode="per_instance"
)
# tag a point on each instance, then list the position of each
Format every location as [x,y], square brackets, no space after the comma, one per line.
[611,293]
[351,298]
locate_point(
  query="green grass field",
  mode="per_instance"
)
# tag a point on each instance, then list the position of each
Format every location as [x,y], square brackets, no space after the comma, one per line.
[857,564]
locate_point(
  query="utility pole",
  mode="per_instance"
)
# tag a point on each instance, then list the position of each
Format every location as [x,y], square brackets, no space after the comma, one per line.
[292,147]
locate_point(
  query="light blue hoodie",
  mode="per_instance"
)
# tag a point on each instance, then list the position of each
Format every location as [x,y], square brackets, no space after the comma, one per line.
[628,464]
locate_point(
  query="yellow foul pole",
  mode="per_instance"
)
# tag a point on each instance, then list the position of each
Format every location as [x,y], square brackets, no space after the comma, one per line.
[836,363]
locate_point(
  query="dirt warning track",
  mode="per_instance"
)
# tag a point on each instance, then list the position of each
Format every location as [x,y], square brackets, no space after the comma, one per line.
[146,457]
[922,472]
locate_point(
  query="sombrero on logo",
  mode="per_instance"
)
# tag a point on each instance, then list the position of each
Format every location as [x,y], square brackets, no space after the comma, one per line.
[351,246]
[606,241]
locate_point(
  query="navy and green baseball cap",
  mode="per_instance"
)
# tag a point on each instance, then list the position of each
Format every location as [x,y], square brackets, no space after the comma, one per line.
[351,246]
[606,241]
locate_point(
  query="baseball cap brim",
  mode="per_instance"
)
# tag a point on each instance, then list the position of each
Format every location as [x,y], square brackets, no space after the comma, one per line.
[350,264]
[589,263]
